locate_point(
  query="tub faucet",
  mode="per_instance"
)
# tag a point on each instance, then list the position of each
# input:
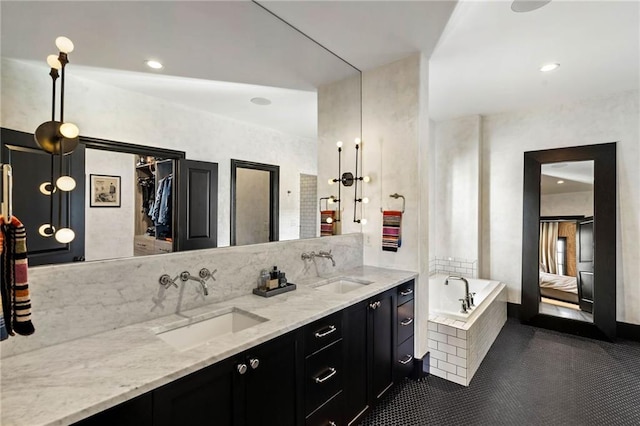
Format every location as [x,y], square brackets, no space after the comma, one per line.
[468,297]
[185,276]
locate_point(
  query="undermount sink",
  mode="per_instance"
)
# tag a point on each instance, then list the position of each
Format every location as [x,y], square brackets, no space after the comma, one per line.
[343,285]
[192,334]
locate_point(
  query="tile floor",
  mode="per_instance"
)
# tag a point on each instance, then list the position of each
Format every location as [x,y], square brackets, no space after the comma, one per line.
[530,376]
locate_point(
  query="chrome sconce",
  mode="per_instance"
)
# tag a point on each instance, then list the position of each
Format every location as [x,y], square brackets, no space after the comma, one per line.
[58,138]
[359,198]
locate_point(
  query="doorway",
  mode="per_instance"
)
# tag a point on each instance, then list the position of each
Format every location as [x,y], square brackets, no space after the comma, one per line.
[254,202]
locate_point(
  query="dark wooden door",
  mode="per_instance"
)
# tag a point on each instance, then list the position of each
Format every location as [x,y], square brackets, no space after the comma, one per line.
[31,168]
[270,395]
[205,397]
[197,205]
[356,377]
[382,344]
[585,265]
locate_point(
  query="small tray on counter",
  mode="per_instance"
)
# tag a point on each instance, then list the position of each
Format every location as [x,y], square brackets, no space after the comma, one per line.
[275,291]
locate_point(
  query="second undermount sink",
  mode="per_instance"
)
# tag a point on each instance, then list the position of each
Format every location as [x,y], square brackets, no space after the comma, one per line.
[192,334]
[343,285]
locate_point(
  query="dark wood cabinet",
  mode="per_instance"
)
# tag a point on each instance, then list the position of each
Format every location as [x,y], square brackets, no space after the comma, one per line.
[329,372]
[257,387]
[369,352]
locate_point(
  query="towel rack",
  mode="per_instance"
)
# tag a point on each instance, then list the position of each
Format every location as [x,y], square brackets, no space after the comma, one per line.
[396,196]
[7,192]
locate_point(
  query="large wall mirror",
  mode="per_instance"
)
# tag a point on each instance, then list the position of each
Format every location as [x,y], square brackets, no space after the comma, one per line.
[569,239]
[238,83]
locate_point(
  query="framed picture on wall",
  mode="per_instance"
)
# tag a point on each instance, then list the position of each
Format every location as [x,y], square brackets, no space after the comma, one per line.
[104,191]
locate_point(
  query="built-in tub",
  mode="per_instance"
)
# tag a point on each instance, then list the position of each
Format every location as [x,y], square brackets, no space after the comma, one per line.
[459,341]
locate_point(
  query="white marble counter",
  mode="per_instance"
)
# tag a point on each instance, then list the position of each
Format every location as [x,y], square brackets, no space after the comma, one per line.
[62,384]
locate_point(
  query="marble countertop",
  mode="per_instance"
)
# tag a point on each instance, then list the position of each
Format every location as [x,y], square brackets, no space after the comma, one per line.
[65,383]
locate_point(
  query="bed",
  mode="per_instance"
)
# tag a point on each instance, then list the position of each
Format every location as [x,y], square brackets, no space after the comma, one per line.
[559,287]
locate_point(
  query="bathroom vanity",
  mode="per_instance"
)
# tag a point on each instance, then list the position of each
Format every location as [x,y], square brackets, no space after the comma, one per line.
[323,354]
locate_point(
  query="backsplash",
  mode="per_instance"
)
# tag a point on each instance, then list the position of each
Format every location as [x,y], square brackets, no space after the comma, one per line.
[453,265]
[82,299]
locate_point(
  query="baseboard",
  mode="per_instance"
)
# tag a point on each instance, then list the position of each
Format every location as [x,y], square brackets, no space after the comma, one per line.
[628,331]
[624,330]
[513,310]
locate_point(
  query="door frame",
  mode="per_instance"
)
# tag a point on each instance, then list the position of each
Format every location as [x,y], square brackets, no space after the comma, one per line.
[605,215]
[274,196]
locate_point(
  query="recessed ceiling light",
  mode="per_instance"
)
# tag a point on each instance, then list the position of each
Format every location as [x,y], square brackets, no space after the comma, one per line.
[261,101]
[560,182]
[528,5]
[549,67]
[154,64]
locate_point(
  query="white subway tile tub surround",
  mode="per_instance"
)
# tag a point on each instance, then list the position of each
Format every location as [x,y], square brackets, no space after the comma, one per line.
[453,266]
[457,348]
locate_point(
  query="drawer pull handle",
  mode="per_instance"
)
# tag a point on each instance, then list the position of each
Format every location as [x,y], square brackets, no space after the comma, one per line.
[406,360]
[328,373]
[330,329]
[406,292]
[406,322]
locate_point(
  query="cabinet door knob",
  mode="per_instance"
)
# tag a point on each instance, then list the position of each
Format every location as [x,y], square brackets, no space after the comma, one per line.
[330,329]
[242,368]
[406,321]
[375,305]
[332,423]
[326,375]
[254,363]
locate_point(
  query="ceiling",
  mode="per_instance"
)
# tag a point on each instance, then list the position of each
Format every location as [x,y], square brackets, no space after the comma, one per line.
[576,176]
[486,60]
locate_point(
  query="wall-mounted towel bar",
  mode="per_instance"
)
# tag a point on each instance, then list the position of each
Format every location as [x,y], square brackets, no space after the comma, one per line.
[7,192]
[396,196]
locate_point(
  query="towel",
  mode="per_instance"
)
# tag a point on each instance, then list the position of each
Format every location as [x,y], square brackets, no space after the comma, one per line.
[391,230]
[14,288]
[327,229]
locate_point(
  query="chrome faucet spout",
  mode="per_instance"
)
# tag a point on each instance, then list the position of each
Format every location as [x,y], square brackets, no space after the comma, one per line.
[185,276]
[467,296]
[324,254]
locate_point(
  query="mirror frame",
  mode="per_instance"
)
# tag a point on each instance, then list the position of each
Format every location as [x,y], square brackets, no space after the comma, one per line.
[605,219]
[274,197]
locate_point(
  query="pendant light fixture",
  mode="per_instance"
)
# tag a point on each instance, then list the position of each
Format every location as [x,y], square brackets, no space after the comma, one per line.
[59,139]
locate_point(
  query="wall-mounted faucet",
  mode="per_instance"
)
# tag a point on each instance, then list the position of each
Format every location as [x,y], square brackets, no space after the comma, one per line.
[204,274]
[468,297]
[321,253]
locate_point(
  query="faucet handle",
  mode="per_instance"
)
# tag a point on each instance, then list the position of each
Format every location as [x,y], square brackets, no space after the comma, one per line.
[463,310]
[471,303]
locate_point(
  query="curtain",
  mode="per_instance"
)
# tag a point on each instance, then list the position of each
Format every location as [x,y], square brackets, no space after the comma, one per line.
[549,246]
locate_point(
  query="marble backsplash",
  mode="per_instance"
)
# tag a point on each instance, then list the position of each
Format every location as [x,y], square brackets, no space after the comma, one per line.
[81,299]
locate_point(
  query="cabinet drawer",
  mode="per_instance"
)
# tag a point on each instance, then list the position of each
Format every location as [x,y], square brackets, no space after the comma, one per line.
[404,362]
[405,292]
[322,332]
[405,321]
[323,376]
[330,414]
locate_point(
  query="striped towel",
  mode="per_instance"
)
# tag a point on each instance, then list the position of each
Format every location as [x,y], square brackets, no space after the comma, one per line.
[391,230]
[327,229]
[14,288]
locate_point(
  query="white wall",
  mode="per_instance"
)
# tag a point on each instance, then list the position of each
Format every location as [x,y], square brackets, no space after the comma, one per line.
[395,134]
[457,189]
[109,231]
[106,112]
[507,136]
[567,204]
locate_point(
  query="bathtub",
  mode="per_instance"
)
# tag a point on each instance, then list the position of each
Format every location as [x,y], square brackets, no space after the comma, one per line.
[444,300]
[458,342]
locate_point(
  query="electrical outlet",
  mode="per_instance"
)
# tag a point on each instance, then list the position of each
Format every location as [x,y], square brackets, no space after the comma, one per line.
[367,240]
